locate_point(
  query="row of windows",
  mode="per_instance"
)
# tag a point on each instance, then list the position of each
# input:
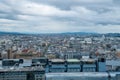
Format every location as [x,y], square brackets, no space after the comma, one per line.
[13,79]
[57,70]
[89,69]
[12,73]
[39,76]
[73,70]
[92,69]
[11,76]
[39,79]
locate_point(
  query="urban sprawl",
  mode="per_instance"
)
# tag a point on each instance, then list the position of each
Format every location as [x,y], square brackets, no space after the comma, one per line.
[59,57]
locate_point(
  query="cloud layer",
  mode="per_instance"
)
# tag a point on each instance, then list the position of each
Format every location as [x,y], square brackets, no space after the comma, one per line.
[56,16]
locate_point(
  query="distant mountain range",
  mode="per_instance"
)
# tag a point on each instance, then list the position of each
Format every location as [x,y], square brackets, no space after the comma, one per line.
[66,33]
[12,33]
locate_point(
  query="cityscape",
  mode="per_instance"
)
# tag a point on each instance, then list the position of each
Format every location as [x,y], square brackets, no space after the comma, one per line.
[59,39]
[71,55]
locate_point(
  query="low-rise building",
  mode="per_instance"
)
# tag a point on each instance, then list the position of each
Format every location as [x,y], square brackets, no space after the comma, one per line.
[27,73]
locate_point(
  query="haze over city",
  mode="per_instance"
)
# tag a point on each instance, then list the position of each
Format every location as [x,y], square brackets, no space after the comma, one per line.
[58,16]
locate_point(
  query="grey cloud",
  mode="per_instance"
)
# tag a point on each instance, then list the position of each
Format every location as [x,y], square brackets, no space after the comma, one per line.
[110,22]
[116,1]
[68,3]
[59,15]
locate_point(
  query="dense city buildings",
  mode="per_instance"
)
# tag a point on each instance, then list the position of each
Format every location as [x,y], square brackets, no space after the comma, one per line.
[59,39]
[46,56]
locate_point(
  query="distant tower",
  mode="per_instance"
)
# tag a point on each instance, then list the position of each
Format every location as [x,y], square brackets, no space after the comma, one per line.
[9,54]
[103,38]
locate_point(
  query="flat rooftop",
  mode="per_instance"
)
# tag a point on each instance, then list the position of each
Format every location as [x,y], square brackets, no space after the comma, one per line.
[87,60]
[57,60]
[73,60]
[75,74]
[21,69]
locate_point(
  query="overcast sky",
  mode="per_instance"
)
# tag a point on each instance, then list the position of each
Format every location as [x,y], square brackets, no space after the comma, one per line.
[56,16]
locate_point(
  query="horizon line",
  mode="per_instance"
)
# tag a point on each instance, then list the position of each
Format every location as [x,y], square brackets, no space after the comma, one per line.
[57,32]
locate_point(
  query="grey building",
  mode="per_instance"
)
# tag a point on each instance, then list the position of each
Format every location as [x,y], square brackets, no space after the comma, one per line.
[28,73]
[83,76]
[73,65]
[77,65]
[57,65]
